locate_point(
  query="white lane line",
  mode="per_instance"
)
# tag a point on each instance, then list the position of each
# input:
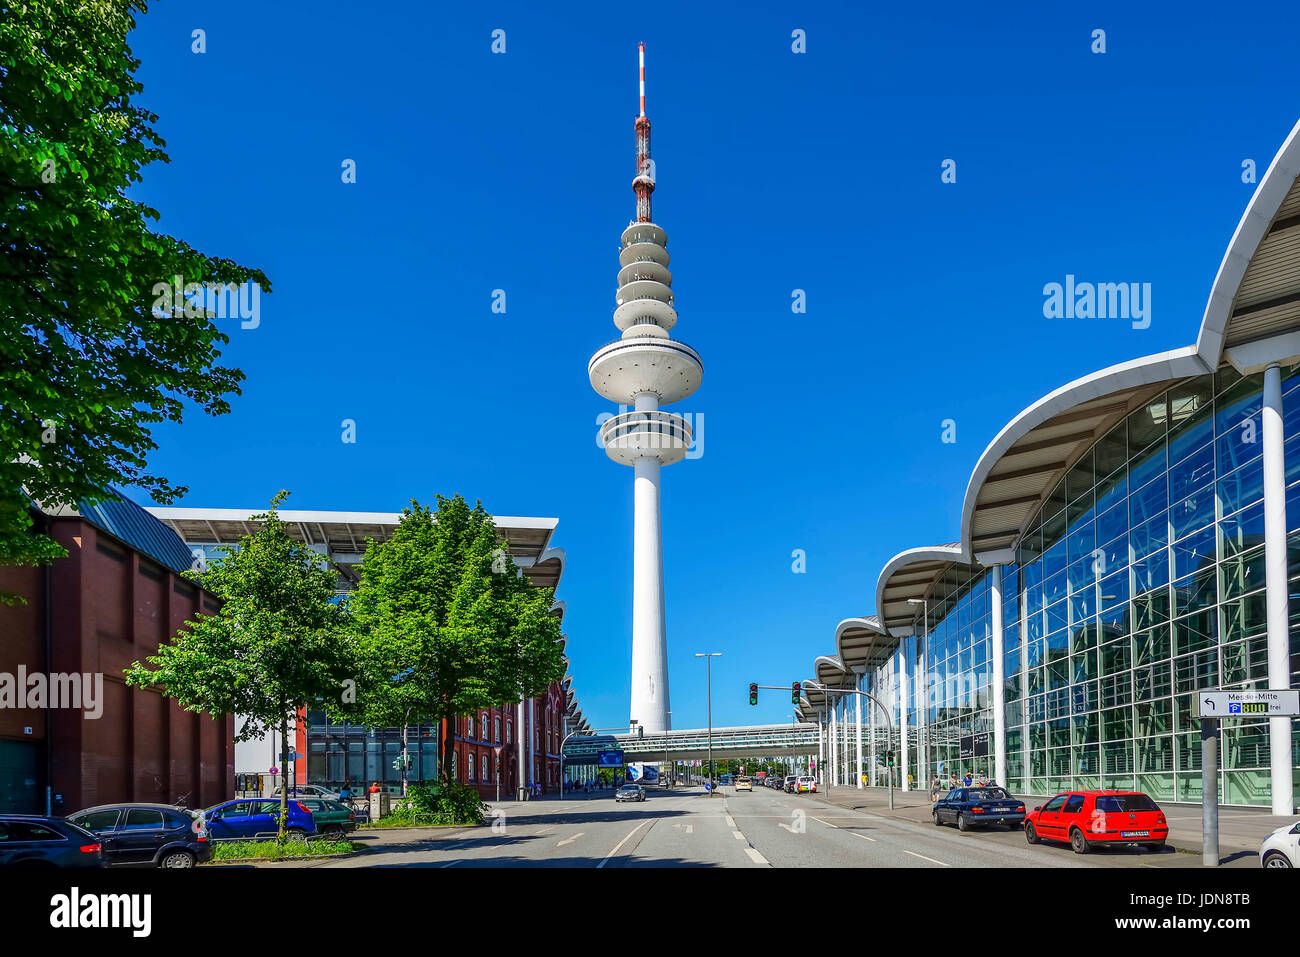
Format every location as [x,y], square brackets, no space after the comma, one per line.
[754,856]
[786,826]
[449,864]
[924,858]
[570,840]
[827,823]
[864,837]
[737,835]
[731,821]
[621,843]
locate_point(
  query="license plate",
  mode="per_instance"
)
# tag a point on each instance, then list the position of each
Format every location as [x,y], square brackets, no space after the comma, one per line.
[1134,833]
[1002,810]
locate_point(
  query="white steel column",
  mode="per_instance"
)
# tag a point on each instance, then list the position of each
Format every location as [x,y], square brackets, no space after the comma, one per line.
[821,746]
[522,772]
[1026,767]
[902,714]
[857,699]
[999,681]
[1275,573]
[871,740]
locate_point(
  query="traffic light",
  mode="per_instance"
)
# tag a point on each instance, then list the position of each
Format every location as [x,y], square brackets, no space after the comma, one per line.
[753,693]
[794,692]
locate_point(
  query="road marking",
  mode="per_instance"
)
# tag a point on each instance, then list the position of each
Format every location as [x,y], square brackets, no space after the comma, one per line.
[754,856]
[786,826]
[731,821]
[690,828]
[570,840]
[448,864]
[864,837]
[621,843]
[827,823]
[924,858]
[737,835]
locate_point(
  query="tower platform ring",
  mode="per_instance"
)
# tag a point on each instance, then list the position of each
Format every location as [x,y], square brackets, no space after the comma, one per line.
[627,368]
[657,435]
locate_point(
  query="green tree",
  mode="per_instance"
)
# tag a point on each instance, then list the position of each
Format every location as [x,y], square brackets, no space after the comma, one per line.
[278,643]
[446,625]
[90,362]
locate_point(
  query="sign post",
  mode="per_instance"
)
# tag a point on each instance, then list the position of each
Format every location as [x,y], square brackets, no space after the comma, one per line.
[1212,707]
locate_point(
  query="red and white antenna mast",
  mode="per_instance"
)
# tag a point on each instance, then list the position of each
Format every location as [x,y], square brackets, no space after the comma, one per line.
[644,184]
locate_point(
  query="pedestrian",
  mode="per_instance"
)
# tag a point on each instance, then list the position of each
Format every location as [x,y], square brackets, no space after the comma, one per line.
[934,789]
[345,793]
[966,781]
[952,780]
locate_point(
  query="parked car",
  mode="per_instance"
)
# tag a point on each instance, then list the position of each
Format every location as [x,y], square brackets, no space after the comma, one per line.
[978,807]
[630,792]
[333,818]
[309,790]
[805,783]
[1091,818]
[30,840]
[237,820]
[1282,847]
[790,781]
[147,835]
[744,784]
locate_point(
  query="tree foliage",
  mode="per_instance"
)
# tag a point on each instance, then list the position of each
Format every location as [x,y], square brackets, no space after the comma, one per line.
[89,364]
[446,624]
[279,642]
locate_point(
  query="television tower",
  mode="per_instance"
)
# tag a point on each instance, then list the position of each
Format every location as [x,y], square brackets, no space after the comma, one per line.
[645,369]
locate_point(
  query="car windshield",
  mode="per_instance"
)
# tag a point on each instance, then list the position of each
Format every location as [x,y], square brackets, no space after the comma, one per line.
[1116,803]
[989,794]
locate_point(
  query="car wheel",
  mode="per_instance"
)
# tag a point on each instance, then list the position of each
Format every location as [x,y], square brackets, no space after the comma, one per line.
[937,822]
[1031,833]
[1078,843]
[1276,859]
[963,822]
[177,859]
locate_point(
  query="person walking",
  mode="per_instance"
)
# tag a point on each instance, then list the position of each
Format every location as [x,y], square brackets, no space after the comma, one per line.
[934,789]
[966,780]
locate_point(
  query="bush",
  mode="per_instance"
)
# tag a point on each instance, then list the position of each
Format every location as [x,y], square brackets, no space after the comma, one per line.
[445,803]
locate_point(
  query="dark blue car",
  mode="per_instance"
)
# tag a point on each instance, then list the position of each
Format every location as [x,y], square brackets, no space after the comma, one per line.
[257,818]
[29,840]
[978,807]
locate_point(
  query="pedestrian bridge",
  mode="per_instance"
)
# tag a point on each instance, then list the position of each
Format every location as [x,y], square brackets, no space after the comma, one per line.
[758,741]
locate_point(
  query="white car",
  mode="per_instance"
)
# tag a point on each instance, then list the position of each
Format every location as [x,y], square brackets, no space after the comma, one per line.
[744,784]
[1282,847]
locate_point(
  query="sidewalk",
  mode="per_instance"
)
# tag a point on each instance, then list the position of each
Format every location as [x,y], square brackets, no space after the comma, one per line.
[1241,830]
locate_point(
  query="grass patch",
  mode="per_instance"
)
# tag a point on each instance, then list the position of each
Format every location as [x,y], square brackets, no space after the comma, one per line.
[405,816]
[271,851]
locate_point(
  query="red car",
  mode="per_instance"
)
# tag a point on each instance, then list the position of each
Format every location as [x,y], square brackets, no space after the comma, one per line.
[1090,818]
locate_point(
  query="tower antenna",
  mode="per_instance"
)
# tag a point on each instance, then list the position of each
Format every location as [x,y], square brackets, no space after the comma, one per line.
[644,184]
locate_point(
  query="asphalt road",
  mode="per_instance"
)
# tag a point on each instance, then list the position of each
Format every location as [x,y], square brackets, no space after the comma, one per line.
[686,828]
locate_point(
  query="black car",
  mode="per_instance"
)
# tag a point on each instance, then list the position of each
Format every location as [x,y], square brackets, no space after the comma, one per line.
[147,835]
[30,840]
[978,807]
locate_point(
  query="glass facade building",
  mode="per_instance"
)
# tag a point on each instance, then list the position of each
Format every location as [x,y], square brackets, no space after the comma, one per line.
[1140,580]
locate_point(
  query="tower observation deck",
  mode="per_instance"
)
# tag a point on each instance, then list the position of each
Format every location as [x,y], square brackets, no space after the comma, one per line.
[644,369]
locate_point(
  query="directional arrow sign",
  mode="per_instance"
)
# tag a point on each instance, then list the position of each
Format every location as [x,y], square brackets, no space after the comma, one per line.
[1248,704]
[571,839]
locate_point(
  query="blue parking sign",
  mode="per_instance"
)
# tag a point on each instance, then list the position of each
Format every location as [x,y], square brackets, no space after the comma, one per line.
[1234,707]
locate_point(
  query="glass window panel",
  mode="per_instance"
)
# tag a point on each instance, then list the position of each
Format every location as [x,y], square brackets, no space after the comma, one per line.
[1116,656]
[1197,631]
[1148,502]
[1243,530]
[1080,479]
[1055,559]
[1242,573]
[1115,621]
[1112,451]
[1057,617]
[1149,536]
[1192,513]
[1112,491]
[1193,473]
[1243,487]
[1191,411]
[1151,572]
[1243,400]
[1082,541]
[1147,465]
[1114,590]
[1193,672]
[1194,553]
[1112,523]
[1243,618]
[1117,723]
[1148,423]
[1083,576]
[1196,592]
[1150,609]
[1151,646]
[1240,445]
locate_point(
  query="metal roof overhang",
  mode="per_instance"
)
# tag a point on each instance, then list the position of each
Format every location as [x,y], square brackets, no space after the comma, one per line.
[863,643]
[914,574]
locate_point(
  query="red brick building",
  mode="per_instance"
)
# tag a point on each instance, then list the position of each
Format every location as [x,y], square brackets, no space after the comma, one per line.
[109,603]
[478,737]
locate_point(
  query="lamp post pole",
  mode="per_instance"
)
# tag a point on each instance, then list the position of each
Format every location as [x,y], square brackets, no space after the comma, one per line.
[708,668]
[888,719]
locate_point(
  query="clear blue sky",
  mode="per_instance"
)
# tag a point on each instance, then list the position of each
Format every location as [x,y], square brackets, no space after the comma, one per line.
[776,171]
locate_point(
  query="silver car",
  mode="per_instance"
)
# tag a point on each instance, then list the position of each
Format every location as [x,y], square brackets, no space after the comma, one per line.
[630,792]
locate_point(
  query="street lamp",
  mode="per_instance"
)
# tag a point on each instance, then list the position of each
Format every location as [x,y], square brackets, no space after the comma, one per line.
[888,719]
[708,665]
[925,666]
